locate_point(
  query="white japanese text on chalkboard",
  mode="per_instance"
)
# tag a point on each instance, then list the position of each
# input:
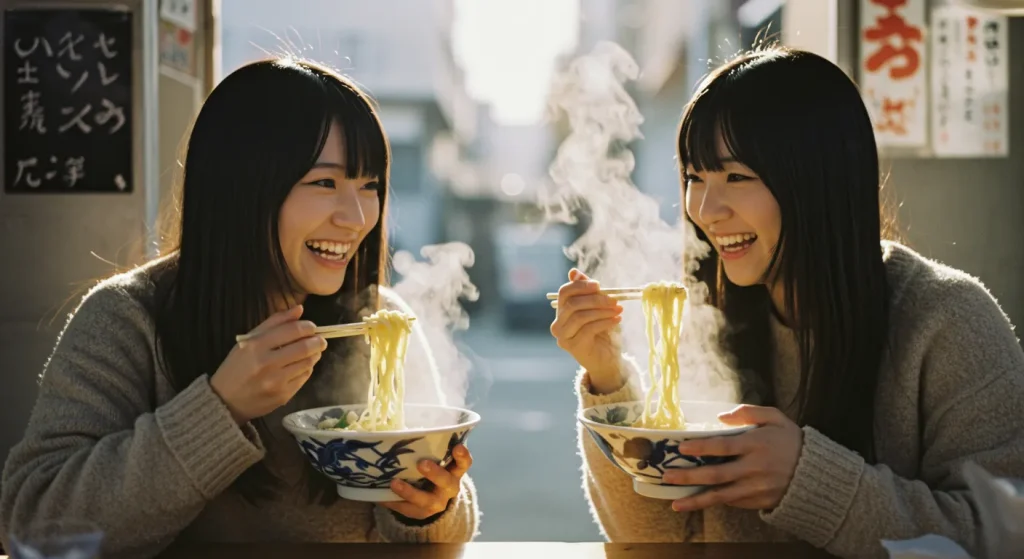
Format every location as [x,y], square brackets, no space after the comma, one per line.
[67,100]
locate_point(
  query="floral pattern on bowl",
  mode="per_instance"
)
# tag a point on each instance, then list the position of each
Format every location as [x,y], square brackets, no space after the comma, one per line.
[645,454]
[363,463]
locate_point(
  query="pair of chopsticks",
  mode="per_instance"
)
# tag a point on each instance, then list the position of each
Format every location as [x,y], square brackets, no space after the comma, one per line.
[617,293]
[333,331]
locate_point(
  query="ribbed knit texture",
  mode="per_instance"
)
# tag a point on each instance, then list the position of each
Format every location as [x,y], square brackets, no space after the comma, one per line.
[951,390]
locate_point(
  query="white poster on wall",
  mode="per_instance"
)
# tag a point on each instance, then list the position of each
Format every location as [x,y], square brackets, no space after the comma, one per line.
[893,70]
[970,83]
[179,12]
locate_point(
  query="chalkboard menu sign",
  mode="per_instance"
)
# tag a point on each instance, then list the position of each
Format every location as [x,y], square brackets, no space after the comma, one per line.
[67,96]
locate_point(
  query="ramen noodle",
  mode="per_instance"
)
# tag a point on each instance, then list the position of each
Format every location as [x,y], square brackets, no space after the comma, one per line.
[663,314]
[388,335]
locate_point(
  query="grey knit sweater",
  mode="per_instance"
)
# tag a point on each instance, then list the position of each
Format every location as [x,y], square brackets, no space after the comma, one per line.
[951,390]
[110,441]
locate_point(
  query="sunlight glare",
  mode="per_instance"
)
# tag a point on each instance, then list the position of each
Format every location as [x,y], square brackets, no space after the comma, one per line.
[508,50]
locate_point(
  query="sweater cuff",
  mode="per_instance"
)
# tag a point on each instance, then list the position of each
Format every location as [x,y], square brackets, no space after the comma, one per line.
[205,439]
[821,492]
[457,524]
[630,390]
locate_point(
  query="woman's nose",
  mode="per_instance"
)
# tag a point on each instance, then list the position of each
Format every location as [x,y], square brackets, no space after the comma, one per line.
[713,208]
[349,212]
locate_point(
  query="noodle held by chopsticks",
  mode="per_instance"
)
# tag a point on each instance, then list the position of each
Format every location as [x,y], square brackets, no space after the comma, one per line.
[663,304]
[387,332]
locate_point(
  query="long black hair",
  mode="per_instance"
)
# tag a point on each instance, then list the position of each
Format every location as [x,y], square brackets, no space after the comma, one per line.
[258,133]
[798,121]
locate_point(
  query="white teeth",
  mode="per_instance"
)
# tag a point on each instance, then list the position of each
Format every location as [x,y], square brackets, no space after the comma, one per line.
[728,240]
[330,247]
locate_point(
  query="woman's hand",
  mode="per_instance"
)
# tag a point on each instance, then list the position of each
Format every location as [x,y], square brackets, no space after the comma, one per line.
[583,327]
[758,478]
[420,504]
[262,373]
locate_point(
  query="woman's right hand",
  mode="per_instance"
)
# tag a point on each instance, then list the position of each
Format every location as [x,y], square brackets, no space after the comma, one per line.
[583,327]
[263,372]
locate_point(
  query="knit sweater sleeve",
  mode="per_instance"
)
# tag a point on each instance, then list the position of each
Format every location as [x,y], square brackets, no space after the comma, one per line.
[970,381]
[98,449]
[621,514]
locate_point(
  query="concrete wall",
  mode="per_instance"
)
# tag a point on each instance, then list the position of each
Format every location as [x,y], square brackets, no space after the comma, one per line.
[967,213]
[54,247]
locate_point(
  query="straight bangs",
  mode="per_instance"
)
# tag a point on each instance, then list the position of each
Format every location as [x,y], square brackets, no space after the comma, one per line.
[366,147]
[736,113]
[704,119]
[367,154]
[743,116]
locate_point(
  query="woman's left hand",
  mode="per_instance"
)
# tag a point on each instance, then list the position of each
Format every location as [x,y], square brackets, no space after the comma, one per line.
[758,478]
[420,504]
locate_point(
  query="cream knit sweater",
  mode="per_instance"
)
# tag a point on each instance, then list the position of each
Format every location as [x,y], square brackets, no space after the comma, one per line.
[951,390]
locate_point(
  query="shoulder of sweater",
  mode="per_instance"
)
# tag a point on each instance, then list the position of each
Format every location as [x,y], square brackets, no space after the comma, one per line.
[923,289]
[129,292]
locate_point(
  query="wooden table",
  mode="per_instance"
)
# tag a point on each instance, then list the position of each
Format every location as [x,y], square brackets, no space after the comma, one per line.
[489,550]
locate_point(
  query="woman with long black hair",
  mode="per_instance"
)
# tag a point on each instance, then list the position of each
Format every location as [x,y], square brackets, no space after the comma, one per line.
[153,423]
[881,372]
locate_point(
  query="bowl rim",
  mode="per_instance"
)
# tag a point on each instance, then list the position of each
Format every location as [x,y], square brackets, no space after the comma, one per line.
[289,422]
[662,433]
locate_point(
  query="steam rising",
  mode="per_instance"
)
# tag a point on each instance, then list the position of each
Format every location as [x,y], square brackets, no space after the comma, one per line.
[436,372]
[627,242]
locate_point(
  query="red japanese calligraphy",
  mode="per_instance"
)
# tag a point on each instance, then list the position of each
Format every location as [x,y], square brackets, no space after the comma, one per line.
[894,115]
[886,30]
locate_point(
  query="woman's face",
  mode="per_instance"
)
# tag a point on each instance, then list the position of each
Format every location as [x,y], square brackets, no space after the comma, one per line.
[324,219]
[738,214]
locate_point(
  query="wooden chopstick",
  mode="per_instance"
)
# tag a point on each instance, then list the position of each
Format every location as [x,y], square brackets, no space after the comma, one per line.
[609,291]
[617,297]
[616,293]
[332,331]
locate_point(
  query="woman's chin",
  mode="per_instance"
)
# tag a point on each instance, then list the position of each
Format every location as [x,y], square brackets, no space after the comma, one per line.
[322,287]
[743,278]
[327,291]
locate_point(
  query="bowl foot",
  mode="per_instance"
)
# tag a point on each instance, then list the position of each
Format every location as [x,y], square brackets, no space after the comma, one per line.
[368,495]
[667,492]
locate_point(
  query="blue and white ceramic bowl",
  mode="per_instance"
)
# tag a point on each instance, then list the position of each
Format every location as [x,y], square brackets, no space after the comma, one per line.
[364,463]
[645,454]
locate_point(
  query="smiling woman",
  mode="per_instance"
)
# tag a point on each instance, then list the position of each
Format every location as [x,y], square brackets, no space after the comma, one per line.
[153,422]
[880,373]
[742,216]
[326,216]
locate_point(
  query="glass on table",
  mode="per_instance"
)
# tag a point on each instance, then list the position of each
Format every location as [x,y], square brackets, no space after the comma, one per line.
[57,539]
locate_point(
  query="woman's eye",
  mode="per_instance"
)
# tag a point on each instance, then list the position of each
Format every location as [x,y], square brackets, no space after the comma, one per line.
[326,183]
[371,186]
[736,177]
[691,178]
